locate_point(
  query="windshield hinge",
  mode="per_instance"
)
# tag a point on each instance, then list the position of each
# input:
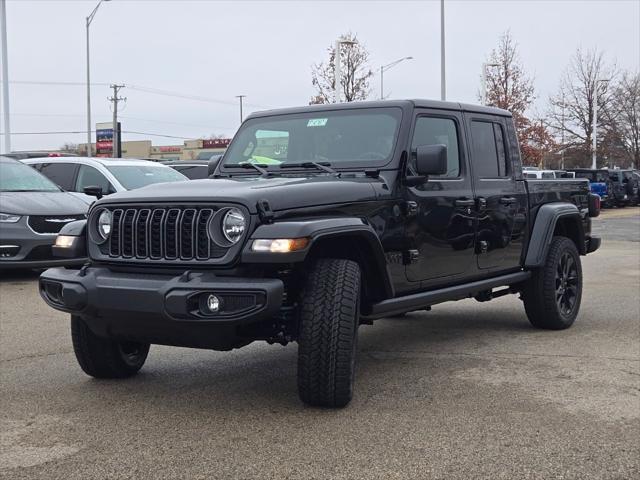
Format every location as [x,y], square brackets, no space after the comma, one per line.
[264,211]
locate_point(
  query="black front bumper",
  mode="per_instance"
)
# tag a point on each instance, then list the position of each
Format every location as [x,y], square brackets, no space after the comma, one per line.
[161,308]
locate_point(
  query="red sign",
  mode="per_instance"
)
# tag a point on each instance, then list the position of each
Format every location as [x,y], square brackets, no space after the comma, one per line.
[104,145]
[170,149]
[216,143]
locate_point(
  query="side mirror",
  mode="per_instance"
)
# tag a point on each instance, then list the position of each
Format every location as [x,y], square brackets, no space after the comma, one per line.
[213,164]
[431,160]
[93,190]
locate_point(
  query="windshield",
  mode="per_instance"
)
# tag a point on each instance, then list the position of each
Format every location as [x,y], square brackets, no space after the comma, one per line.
[342,138]
[18,177]
[136,176]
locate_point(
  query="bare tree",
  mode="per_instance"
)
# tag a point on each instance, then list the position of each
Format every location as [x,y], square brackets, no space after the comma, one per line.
[356,73]
[572,108]
[509,87]
[623,117]
[69,147]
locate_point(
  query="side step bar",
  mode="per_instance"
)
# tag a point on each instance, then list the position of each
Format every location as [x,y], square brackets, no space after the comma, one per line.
[422,300]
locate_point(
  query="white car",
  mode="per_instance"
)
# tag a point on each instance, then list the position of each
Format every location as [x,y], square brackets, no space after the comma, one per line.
[113,175]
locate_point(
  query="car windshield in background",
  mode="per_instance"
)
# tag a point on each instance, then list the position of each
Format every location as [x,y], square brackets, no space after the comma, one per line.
[136,176]
[18,177]
[341,138]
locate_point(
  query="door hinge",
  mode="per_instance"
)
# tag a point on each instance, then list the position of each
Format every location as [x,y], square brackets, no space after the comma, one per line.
[411,257]
[410,208]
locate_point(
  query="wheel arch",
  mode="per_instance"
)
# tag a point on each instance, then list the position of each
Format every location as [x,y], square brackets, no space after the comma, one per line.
[554,219]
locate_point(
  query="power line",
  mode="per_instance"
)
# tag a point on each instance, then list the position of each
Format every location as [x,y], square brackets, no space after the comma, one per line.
[72,132]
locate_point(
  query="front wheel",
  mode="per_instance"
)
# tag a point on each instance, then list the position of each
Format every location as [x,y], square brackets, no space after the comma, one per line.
[552,295]
[327,341]
[104,357]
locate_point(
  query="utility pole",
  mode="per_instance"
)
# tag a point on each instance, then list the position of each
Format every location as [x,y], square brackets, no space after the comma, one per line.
[115,139]
[337,69]
[562,134]
[5,78]
[241,97]
[443,84]
[594,163]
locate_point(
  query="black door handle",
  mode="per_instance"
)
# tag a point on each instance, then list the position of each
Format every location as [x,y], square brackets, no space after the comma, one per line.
[465,202]
[507,200]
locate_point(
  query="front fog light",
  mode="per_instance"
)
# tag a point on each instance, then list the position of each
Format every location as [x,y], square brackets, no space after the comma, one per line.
[213,304]
[280,245]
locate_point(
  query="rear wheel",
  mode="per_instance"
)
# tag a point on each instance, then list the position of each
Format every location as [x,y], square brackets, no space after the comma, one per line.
[553,294]
[103,357]
[327,341]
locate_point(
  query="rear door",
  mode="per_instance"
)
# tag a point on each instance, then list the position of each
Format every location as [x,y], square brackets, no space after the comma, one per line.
[441,226]
[500,194]
[62,174]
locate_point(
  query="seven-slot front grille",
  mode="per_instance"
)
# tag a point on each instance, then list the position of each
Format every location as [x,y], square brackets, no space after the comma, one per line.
[171,233]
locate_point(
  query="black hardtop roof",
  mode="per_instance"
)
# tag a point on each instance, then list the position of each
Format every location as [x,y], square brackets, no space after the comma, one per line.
[404,104]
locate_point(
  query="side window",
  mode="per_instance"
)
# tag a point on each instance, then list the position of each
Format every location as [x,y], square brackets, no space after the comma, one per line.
[489,157]
[439,131]
[60,173]
[91,177]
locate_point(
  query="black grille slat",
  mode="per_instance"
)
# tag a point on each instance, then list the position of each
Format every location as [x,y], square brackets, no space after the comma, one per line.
[165,233]
[187,233]
[114,239]
[171,233]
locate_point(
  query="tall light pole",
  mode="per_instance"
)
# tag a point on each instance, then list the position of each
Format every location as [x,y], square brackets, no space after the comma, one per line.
[89,19]
[388,67]
[5,78]
[240,97]
[485,74]
[595,123]
[337,72]
[443,84]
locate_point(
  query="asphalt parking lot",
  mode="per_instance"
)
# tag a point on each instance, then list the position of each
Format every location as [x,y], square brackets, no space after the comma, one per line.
[467,390]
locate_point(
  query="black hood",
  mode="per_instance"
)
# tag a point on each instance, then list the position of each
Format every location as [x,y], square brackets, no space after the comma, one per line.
[282,193]
[41,203]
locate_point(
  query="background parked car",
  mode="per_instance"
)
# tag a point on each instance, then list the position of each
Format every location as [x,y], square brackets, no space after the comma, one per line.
[192,169]
[624,187]
[539,174]
[599,183]
[113,175]
[32,211]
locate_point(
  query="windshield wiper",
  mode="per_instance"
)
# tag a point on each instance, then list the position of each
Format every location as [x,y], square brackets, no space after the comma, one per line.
[260,167]
[324,166]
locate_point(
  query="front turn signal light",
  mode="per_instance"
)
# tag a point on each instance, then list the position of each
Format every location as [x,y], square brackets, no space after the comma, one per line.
[280,245]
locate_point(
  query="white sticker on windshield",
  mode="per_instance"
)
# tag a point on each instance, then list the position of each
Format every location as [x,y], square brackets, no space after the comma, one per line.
[317,122]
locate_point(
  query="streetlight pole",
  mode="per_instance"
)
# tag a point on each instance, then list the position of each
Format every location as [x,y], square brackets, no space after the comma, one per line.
[594,147]
[443,84]
[5,78]
[337,72]
[89,19]
[388,67]
[240,97]
[485,74]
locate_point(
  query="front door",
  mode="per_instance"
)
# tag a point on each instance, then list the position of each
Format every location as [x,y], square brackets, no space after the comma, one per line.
[500,198]
[440,225]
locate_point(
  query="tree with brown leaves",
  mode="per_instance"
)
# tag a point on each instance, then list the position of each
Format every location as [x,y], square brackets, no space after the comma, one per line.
[509,87]
[356,73]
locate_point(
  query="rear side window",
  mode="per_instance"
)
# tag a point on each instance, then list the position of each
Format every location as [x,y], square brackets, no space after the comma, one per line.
[439,131]
[193,172]
[489,153]
[62,174]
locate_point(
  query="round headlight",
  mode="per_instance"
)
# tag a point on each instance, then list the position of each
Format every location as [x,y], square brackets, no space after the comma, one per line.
[233,225]
[104,224]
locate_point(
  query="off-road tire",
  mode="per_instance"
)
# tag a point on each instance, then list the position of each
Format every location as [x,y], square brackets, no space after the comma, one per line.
[103,357]
[328,335]
[553,294]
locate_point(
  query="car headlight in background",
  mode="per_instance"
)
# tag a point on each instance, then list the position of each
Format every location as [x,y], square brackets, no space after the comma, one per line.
[104,224]
[9,218]
[233,225]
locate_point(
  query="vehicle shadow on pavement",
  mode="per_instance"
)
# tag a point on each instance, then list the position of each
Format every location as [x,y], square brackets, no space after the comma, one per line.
[265,376]
[18,275]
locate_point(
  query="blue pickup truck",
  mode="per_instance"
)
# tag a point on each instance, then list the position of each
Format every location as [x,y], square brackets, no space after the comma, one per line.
[599,183]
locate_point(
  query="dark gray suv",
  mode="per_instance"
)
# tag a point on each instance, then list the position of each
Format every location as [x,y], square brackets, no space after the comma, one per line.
[32,211]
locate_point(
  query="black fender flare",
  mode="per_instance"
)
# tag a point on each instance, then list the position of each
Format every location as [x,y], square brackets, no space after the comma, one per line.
[78,249]
[77,228]
[544,227]
[319,230]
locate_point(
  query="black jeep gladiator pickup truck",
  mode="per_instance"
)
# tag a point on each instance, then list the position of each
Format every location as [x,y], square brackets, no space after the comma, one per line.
[315,221]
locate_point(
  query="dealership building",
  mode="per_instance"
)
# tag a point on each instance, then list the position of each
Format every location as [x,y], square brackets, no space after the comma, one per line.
[199,149]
